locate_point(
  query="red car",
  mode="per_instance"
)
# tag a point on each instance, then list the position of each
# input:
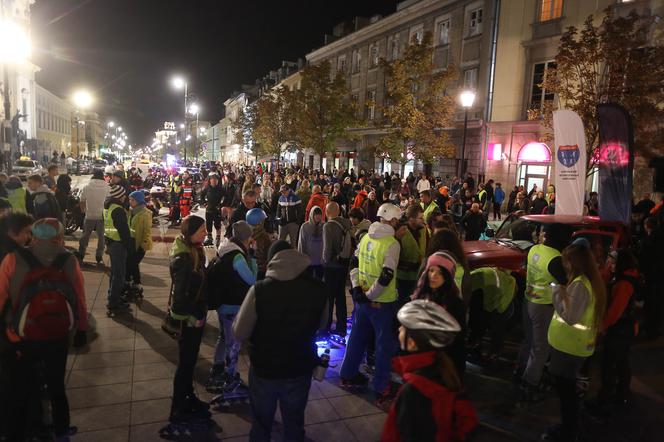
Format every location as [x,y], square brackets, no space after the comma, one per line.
[508,248]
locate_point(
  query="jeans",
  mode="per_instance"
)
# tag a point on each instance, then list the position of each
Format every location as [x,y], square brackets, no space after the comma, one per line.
[134,265]
[335,280]
[88,226]
[379,318]
[118,254]
[496,211]
[291,395]
[290,230]
[538,317]
[39,362]
[228,348]
[188,346]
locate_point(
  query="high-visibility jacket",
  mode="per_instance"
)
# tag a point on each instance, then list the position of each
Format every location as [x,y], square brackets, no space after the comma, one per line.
[428,210]
[498,287]
[372,256]
[412,254]
[577,339]
[16,198]
[538,278]
[110,231]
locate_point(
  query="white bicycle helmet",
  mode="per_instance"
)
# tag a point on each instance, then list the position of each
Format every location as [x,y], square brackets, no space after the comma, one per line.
[388,212]
[108,170]
[430,320]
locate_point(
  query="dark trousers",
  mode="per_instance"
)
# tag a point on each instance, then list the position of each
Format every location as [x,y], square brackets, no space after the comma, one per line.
[118,254]
[317,272]
[616,372]
[133,266]
[479,320]
[405,288]
[290,394]
[335,280]
[652,309]
[213,218]
[188,346]
[23,377]
[565,368]
[496,211]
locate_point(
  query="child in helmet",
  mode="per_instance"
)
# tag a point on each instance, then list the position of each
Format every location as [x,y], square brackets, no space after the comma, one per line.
[431,381]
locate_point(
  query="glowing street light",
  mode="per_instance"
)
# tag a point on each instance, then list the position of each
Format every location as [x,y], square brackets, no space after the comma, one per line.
[179,83]
[111,124]
[15,46]
[467,99]
[82,99]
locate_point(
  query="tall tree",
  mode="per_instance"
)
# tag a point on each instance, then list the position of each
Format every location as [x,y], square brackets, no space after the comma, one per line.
[417,106]
[613,62]
[324,113]
[267,124]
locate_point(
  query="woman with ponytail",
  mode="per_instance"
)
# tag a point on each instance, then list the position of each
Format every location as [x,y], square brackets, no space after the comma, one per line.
[579,312]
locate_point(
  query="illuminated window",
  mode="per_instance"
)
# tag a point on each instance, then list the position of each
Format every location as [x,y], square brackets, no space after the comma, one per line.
[341,64]
[373,55]
[470,78]
[538,95]
[444,32]
[475,22]
[417,34]
[356,61]
[371,105]
[550,9]
[393,46]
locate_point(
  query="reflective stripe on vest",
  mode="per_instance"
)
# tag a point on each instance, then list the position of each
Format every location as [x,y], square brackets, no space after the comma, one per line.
[577,339]
[538,278]
[110,231]
[428,210]
[372,257]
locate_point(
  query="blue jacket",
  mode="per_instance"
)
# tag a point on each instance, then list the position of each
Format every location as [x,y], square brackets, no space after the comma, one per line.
[498,195]
[290,209]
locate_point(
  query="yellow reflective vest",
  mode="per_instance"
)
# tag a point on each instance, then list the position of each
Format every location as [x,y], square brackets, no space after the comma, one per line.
[577,339]
[372,256]
[538,278]
[110,231]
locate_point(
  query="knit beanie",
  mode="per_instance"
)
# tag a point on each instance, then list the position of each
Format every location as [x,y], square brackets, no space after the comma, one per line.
[139,196]
[241,231]
[277,247]
[442,260]
[195,223]
[117,192]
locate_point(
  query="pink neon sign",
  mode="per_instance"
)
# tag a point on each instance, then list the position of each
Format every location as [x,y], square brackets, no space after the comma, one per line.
[614,155]
[494,151]
[534,152]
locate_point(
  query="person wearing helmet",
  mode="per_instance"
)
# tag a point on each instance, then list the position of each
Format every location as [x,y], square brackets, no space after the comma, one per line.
[212,196]
[374,291]
[431,382]
[261,240]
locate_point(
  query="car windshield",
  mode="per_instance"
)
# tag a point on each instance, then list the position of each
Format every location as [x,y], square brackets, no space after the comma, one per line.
[519,229]
[25,163]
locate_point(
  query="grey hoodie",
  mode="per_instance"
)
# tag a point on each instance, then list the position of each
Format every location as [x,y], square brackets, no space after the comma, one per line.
[284,266]
[311,238]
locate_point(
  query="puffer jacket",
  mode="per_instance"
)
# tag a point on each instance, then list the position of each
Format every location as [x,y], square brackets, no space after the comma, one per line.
[141,225]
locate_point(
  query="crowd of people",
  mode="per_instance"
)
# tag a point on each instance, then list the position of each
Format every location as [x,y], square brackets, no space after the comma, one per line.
[294,247]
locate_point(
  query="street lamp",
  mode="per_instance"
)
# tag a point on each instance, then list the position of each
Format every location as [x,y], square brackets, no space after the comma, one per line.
[82,100]
[181,83]
[467,99]
[194,110]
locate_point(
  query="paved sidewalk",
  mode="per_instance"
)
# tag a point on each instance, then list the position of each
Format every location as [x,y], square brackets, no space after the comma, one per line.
[119,386]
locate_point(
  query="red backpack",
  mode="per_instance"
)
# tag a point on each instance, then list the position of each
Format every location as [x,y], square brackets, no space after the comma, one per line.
[45,309]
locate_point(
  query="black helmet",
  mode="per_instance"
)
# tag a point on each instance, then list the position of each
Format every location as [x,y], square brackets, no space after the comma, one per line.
[431,321]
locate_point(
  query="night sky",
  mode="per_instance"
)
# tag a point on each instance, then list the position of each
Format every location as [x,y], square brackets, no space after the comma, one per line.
[125,51]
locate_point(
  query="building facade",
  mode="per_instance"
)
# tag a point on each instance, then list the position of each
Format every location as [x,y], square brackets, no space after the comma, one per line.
[516,150]
[461,31]
[54,123]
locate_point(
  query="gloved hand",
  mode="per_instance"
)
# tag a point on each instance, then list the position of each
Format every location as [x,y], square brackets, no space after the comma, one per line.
[358,295]
[80,338]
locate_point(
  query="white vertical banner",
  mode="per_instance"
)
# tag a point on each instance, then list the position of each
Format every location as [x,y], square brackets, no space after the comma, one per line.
[570,158]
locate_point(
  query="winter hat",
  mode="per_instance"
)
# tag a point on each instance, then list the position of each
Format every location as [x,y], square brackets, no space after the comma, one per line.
[277,247]
[195,223]
[47,229]
[13,183]
[139,196]
[117,192]
[241,231]
[442,260]
[97,174]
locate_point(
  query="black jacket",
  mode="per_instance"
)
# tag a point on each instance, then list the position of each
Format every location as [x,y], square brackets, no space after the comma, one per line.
[213,197]
[225,285]
[187,283]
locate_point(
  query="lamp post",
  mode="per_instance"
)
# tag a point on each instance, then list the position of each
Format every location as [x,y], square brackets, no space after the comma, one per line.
[467,99]
[14,49]
[82,100]
[194,109]
[181,83]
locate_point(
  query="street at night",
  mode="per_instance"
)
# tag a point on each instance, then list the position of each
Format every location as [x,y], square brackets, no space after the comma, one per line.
[395,221]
